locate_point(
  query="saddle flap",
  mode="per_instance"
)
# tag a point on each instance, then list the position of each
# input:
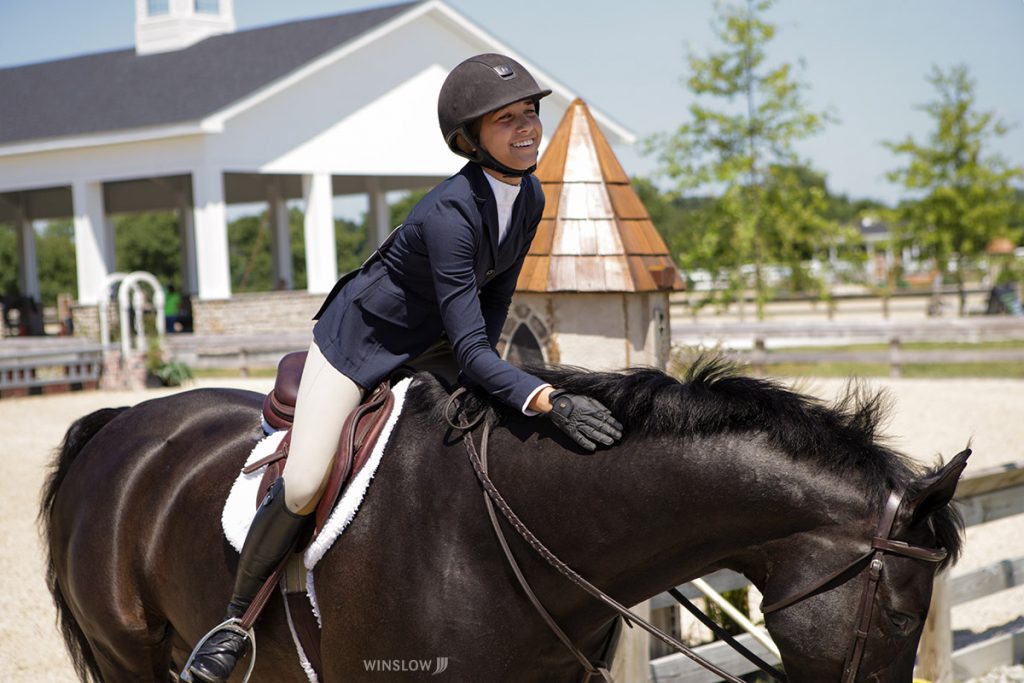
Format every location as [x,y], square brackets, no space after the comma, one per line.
[359,434]
[358,437]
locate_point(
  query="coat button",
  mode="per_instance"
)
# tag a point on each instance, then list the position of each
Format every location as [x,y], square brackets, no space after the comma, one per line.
[489,273]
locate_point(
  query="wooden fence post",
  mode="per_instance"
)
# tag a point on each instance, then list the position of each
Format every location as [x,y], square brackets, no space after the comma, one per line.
[759,355]
[895,369]
[935,653]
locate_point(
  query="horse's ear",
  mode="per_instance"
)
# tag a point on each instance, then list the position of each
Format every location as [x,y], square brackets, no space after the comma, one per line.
[937,489]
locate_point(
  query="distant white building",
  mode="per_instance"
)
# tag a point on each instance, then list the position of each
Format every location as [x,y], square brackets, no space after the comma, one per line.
[199,116]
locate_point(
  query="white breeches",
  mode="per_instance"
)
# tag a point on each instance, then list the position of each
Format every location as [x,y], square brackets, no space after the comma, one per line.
[325,399]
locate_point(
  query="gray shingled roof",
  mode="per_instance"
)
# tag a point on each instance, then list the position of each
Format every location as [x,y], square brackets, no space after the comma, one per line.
[119,90]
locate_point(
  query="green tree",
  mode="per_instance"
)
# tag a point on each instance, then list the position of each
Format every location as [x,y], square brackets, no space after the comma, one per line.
[249,254]
[676,217]
[58,272]
[355,241]
[690,230]
[701,234]
[962,192]
[8,260]
[843,209]
[351,244]
[149,241]
[55,256]
[400,209]
[796,225]
[741,146]
[296,229]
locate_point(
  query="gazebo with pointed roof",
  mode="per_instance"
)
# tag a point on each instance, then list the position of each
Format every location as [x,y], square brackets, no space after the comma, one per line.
[594,287]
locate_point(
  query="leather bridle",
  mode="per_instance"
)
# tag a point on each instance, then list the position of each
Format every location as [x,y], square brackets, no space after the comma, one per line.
[881,543]
[592,669]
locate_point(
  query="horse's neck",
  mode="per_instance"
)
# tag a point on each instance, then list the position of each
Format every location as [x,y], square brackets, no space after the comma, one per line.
[655,512]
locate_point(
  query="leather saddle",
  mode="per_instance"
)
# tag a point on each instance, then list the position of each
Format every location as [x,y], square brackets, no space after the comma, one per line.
[358,436]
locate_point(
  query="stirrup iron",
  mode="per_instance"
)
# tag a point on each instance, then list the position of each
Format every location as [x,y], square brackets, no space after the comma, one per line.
[233,625]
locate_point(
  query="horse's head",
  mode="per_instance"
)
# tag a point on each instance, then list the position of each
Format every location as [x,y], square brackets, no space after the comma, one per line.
[816,624]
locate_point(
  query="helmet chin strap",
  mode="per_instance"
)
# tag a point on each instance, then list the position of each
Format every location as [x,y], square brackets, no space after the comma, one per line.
[487,160]
[484,158]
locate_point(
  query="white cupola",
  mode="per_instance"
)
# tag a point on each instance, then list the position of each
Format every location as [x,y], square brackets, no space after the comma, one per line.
[166,25]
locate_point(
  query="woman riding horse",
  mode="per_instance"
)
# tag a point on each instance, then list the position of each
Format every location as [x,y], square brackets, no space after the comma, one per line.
[440,285]
[715,471]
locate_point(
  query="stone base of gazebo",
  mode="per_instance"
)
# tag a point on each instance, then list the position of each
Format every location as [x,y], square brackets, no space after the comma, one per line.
[598,331]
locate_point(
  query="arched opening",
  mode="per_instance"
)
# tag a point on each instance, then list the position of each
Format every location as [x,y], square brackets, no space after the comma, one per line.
[523,347]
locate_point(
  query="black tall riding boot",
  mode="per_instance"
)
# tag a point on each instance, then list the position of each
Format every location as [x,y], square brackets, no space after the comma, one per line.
[271,535]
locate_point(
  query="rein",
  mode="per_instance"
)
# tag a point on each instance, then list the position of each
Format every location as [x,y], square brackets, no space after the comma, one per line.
[492,498]
[881,543]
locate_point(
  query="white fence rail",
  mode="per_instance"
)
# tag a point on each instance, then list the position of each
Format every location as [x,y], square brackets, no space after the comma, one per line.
[983,497]
[764,344]
[242,352]
[24,371]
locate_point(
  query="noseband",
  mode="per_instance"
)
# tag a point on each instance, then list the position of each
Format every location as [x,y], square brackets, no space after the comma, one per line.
[880,544]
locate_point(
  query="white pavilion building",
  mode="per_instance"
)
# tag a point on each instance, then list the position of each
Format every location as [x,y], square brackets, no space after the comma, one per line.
[198,116]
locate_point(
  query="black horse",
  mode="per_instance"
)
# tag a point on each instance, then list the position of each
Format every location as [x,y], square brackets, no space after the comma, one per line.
[716,471]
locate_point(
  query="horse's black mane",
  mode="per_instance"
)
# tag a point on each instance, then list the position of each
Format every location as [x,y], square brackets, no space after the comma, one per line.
[714,398]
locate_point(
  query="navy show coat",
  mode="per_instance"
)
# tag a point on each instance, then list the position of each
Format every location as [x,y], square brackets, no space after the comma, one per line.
[443,272]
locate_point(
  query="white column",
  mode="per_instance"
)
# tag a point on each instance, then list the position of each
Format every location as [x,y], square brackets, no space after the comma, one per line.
[211,234]
[321,255]
[280,234]
[378,222]
[28,262]
[187,235]
[108,242]
[93,239]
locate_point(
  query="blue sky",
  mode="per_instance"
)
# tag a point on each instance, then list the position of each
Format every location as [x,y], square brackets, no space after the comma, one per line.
[864,60]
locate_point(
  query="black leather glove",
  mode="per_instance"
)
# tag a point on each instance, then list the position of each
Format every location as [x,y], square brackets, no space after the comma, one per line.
[585,420]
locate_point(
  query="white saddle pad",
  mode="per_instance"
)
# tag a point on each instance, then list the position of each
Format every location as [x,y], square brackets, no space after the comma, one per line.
[241,502]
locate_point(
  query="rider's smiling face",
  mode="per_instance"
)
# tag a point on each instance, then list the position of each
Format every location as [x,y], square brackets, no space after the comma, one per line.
[512,134]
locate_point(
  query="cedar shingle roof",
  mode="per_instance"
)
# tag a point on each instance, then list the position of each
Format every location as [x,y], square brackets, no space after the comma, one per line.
[595,235]
[112,91]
